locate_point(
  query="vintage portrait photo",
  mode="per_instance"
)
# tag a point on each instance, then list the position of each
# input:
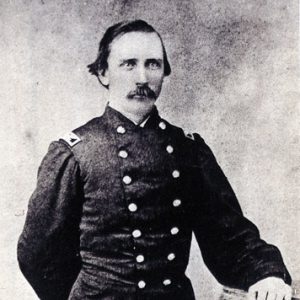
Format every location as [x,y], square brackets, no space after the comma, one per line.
[150,150]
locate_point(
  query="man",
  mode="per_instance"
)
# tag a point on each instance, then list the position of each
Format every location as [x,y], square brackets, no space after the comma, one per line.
[117,199]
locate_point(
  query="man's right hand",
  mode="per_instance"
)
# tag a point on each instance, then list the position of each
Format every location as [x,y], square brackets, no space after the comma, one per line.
[271,288]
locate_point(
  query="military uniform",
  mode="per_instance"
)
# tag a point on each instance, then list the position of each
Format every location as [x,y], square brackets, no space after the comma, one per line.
[114,210]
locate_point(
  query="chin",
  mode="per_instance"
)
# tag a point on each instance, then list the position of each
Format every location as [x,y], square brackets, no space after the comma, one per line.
[144,104]
[142,99]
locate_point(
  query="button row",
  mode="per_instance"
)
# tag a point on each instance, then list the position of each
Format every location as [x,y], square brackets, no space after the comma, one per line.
[137,233]
[140,258]
[121,129]
[127,179]
[142,283]
[174,230]
[133,207]
[124,153]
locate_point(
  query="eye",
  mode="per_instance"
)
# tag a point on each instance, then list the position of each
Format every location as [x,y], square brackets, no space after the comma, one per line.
[154,64]
[128,64]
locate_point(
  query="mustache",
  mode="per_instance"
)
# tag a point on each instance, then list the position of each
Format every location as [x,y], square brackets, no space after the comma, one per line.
[143,90]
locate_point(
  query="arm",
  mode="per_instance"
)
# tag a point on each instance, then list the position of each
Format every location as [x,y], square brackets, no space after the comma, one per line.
[230,244]
[48,248]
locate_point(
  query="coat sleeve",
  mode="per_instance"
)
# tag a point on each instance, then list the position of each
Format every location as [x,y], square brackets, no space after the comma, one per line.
[230,244]
[48,248]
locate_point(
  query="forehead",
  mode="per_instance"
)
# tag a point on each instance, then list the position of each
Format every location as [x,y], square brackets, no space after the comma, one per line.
[136,44]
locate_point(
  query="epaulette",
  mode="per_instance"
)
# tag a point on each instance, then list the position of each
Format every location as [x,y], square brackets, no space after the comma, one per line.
[71,139]
[193,136]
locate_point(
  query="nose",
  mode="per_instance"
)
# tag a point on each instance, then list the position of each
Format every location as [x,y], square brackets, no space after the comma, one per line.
[142,75]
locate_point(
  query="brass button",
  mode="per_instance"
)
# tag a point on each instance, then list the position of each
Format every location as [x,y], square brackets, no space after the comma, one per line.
[176,202]
[170,149]
[140,258]
[175,174]
[141,284]
[121,129]
[162,125]
[132,207]
[123,153]
[171,256]
[127,179]
[136,233]
[174,230]
[167,282]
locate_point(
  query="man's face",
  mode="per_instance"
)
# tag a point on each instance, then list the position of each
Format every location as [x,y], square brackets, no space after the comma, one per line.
[135,71]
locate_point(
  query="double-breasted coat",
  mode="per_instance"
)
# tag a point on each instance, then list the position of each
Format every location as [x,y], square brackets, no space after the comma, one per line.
[114,209]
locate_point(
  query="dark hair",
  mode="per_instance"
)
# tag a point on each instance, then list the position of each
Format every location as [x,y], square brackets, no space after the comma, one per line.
[100,64]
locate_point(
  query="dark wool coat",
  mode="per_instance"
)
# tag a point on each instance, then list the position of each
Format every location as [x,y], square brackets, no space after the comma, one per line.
[114,210]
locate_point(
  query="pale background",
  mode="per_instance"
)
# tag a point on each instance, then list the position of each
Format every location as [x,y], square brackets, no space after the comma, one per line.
[235,81]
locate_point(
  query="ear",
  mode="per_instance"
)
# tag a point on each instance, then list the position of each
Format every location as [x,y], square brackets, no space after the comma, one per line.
[104,77]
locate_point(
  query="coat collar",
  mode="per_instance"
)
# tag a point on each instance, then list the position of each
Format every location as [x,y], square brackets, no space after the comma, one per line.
[114,118]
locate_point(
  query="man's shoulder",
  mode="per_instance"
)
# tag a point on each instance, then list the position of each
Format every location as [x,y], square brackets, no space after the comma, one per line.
[192,141]
[83,133]
[93,125]
[184,134]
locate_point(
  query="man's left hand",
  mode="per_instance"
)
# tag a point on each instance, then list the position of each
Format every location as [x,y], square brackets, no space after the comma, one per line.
[271,288]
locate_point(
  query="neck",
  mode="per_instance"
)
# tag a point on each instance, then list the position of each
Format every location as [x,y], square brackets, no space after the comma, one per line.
[136,115]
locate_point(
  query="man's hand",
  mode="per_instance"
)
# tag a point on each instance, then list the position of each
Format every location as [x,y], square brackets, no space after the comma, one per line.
[271,288]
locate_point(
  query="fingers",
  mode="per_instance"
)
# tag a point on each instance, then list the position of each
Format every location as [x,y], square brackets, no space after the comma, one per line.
[287,293]
[258,296]
[270,288]
[262,295]
[251,295]
[273,296]
[255,295]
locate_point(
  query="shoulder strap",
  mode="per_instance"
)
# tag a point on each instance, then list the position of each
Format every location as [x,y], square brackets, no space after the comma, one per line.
[194,136]
[71,139]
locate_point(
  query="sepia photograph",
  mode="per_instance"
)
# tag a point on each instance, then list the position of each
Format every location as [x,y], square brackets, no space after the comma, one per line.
[150,150]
